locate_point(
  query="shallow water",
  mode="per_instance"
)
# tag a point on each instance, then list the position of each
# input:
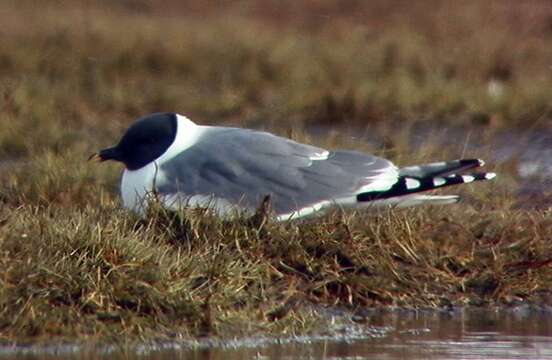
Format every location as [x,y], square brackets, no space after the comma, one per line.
[473,334]
[520,333]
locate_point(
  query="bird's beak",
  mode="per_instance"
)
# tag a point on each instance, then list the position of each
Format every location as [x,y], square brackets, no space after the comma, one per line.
[95,158]
[106,154]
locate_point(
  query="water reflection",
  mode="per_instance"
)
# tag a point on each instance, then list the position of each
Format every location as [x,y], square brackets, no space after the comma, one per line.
[521,333]
[460,334]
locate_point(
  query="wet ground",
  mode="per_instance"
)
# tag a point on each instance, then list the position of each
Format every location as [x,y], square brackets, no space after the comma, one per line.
[517,333]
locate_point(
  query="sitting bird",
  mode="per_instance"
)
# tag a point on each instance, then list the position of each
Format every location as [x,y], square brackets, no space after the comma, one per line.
[231,170]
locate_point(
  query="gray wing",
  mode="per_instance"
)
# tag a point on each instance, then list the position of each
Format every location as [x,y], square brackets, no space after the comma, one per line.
[242,166]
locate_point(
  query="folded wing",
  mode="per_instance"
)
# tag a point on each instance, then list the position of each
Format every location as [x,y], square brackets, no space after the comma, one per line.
[240,167]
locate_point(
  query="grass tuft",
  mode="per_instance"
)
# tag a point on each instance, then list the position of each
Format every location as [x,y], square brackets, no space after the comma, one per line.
[75,265]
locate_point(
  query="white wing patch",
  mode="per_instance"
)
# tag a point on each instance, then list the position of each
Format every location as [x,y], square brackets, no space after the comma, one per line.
[467,178]
[412,183]
[439,181]
[320,156]
[384,179]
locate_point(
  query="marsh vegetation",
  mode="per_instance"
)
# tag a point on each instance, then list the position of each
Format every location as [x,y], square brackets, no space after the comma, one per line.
[75,264]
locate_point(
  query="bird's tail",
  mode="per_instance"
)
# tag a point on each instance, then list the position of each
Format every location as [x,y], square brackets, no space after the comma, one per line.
[442,168]
[415,179]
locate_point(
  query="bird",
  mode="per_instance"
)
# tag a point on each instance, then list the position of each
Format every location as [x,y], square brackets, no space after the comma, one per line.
[230,170]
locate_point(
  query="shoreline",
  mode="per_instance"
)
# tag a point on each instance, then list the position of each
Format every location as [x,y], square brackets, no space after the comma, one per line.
[343,328]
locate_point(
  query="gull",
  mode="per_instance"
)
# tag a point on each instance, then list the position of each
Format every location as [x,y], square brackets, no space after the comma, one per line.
[231,170]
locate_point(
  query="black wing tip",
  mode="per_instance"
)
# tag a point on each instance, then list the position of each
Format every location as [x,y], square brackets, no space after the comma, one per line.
[484,176]
[455,179]
[472,162]
[407,185]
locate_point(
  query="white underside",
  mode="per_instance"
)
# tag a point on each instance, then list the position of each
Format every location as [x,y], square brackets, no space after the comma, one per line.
[397,202]
[412,200]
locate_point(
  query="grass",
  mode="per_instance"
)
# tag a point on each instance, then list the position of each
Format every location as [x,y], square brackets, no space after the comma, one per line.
[75,265]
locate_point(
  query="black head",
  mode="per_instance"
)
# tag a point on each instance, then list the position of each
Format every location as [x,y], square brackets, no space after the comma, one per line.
[146,140]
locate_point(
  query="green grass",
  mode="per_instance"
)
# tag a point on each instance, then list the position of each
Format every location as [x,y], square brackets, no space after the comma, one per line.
[74,264]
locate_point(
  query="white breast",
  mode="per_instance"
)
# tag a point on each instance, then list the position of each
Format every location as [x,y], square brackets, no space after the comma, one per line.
[135,185]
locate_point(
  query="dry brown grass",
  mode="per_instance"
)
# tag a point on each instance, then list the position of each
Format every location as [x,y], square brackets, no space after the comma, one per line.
[74,264]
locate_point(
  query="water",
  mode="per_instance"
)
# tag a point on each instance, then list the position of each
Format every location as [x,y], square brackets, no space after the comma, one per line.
[520,333]
[462,334]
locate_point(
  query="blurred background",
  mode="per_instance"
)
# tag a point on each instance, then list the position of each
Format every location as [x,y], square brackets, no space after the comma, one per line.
[474,77]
